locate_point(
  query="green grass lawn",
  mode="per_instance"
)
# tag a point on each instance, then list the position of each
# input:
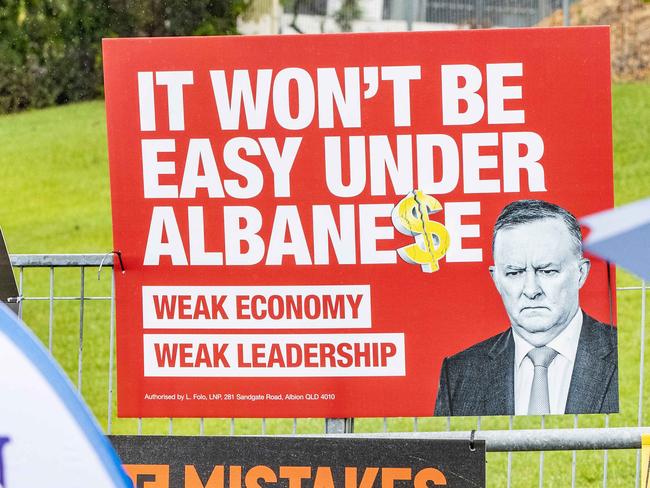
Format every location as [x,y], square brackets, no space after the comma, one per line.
[55,199]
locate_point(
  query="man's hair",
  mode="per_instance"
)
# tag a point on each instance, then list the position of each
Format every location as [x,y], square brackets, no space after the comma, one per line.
[526,211]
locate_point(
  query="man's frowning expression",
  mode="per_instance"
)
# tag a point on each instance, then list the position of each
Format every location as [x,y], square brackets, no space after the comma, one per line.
[538,273]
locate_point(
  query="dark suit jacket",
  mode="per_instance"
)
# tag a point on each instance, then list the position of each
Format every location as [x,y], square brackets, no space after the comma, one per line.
[480,380]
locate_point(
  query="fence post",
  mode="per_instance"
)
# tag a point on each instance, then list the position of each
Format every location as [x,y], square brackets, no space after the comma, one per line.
[275,17]
[566,17]
[478,11]
[542,9]
[410,15]
[339,426]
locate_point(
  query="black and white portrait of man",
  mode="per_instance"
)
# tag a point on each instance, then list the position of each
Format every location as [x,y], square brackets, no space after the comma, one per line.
[553,358]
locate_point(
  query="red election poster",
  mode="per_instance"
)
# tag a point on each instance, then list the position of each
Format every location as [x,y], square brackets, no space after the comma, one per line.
[306,224]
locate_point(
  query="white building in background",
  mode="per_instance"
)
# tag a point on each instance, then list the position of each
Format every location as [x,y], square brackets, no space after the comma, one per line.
[317,16]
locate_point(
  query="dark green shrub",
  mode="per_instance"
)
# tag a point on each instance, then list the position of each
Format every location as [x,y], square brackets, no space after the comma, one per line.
[50,50]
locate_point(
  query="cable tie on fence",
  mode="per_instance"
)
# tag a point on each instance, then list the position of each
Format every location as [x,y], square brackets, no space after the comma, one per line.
[472,447]
[119,257]
[101,264]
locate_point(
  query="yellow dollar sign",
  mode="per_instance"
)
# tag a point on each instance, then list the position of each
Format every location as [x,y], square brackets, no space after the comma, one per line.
[411,217]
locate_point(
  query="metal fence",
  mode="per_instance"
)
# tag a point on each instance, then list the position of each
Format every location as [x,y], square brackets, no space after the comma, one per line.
[475,13]
[313,16]
[68,300]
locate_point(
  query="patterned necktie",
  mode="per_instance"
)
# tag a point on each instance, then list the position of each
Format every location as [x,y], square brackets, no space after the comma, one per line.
[539,403]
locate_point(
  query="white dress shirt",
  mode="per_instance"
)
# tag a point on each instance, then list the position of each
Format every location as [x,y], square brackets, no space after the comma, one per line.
[559,371]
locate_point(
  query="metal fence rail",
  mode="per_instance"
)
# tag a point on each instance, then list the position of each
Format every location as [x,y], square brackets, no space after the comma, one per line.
[68,300]
[533,440]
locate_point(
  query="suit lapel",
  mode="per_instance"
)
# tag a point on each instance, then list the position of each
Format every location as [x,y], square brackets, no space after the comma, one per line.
[594,365]
[498,398]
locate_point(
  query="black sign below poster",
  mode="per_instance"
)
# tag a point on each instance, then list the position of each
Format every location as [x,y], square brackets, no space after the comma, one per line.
[8,289]
[293,462]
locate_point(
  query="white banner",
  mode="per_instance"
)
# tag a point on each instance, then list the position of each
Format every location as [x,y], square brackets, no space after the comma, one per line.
[259,307]
[276,355]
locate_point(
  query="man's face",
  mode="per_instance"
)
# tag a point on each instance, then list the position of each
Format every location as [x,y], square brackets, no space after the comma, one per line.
[538,275]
